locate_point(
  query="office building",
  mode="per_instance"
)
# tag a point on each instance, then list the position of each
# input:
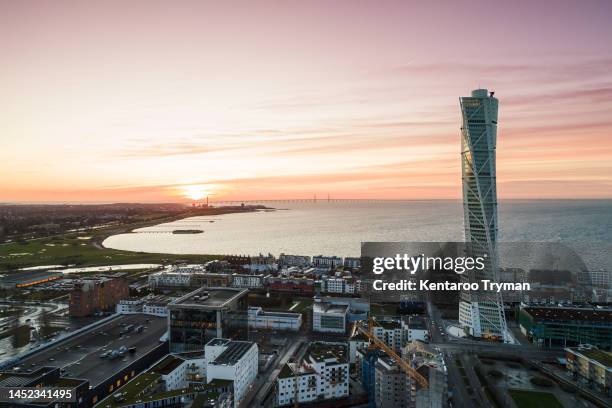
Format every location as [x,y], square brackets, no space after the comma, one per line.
[328,317]
[567,326]
[480,312]
[284,321]
[205,314]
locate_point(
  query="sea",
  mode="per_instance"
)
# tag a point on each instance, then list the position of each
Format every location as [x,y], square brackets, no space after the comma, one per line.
[339,228]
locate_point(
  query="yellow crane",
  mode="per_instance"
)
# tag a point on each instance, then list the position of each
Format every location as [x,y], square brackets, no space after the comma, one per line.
[378,343]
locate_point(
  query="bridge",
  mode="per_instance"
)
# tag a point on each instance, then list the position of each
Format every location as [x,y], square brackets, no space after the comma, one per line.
[305,200]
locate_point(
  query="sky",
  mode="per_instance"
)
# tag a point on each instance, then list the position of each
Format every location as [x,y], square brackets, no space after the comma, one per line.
[151,101]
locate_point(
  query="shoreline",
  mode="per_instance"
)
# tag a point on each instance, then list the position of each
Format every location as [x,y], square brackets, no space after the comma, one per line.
[99,239]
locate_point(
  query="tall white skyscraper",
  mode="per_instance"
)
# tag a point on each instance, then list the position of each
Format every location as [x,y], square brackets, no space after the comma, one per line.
[481,312]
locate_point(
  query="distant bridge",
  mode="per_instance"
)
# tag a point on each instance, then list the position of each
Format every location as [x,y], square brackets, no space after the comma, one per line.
[304,200]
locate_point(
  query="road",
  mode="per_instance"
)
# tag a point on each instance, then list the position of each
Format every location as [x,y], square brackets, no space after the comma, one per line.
[260,391]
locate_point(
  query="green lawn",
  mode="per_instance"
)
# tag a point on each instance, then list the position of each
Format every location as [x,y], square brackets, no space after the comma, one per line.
[70,250]
[534,399]
[302,305]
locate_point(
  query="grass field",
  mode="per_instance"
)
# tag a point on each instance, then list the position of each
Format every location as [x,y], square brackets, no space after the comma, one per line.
[534,399]
[72,250]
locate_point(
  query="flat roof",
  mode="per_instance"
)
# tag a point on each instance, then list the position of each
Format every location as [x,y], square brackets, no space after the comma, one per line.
[213,298]
[600,356]
[233,353]
[326,307]
[79,356]
[167,365]
[389,324]
[417,322]
[570,313]
[27,276]
[321,351]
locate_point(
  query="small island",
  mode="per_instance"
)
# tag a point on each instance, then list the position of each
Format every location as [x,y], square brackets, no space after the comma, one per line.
[187,231]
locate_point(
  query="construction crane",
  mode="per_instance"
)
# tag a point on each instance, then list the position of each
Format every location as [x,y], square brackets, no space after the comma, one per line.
[378,343]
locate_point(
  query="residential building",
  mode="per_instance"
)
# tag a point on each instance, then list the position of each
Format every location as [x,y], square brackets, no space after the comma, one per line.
[240,280]
[301,261]
[322,375]
[130,306]
[207,313]
[100,294]
[481,312]
[328,317]
[352,263]
[392,386]
[259,319]
[156,305]
[296,286]
[169,279]
[168,384]
[328,262]
[236,361]
[415,329]
[391,332]
[338,285]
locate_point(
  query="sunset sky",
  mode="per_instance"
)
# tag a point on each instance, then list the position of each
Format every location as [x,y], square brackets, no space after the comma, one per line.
[162,101]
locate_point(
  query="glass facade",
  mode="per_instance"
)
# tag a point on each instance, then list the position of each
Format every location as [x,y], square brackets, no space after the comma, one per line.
[482,312]
[192,326]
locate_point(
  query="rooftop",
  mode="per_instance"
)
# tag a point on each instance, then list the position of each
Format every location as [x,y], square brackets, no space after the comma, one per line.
[417,323]
[600,356]
[321,351]
[209,297]
[570,313]
[79,356]
[167,365]
[142,389]
[234,351]
[325,307]
[389,324]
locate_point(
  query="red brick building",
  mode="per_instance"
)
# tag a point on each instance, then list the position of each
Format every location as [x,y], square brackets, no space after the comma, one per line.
[99,294]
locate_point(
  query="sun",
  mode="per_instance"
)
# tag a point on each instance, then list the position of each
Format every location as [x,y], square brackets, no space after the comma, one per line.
[196,192]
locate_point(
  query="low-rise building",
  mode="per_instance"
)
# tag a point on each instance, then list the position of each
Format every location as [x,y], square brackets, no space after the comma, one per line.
[567,326]
[301,261]
[338,285]
[328,262]
[296,286]
[415,329]
[168,384]
[248,281]
[25,279]
[329,317]
[259,319]
[322,375]
[236,361]
[130,306]
[589,364]
[156,305]
[352,262]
